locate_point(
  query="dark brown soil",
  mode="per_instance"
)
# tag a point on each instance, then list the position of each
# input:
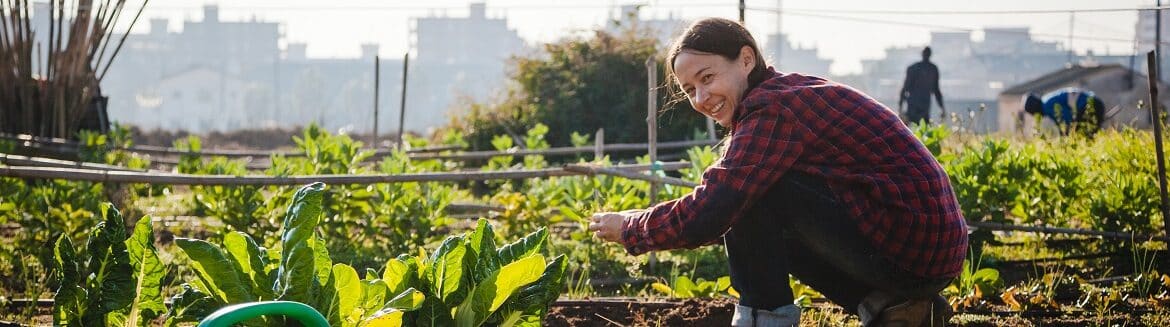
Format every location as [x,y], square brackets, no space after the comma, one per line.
[692,312]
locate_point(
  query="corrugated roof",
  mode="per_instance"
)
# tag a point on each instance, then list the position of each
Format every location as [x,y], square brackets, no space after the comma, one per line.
[1058,78]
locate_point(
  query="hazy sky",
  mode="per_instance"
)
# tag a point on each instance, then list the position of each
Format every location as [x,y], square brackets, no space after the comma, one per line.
[844,30]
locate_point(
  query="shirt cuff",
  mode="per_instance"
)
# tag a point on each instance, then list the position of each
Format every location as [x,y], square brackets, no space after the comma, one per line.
[633,233]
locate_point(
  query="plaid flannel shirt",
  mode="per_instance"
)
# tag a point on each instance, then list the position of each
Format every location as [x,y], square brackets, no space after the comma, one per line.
[888,181]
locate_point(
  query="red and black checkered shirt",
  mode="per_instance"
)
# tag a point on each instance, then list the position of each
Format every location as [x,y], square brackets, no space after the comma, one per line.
[888,181]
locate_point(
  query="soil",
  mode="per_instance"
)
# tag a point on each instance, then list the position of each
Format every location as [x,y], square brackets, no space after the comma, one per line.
[691,312]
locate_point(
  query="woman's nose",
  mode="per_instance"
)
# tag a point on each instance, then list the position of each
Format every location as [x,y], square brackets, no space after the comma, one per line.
[701,98]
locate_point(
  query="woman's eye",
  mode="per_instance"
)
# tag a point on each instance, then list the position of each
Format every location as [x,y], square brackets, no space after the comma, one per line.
[706,78]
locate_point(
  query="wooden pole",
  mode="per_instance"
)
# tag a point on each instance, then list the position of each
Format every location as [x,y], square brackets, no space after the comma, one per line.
[653,179]
[652,120]
[652,133]
[599,145]
[402,101]
[377,87]
[111,176]
[1156,110]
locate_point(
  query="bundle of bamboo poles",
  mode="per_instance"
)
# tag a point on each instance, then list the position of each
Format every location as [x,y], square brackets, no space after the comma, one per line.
[51,97]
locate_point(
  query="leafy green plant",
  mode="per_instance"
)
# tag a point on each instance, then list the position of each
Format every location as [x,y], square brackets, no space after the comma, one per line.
[684,288]
[973,283]
[116,281]
[468,281]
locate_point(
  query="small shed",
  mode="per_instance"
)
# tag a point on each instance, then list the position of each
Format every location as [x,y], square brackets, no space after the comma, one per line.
[1121,88]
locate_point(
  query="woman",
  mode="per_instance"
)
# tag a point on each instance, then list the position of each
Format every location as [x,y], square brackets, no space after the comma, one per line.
[818,180]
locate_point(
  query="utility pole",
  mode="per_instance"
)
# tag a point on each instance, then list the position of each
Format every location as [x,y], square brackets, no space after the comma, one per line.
[779,33]
[1072,18]
[377,79]
[1158,38]
[741,9]
[402,102]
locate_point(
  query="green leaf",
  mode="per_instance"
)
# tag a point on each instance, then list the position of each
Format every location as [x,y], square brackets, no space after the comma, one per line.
[384,318]
[398,276]
[343,294]
[223,281]
[110,280]
[529,245]
[189,305]
[483,244]
[148,274]
[69,302]
[247,257]
[433,313]
[322,260]
[297,274]
[445,273]
[684,287]
[408,300]
[490,295]
[373,295]
[537,296]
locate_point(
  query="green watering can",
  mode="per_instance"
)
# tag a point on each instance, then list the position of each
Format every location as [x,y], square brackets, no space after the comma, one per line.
[230,315]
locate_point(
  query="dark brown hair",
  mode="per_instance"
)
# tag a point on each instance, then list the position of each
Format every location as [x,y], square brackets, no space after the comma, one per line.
[723,37]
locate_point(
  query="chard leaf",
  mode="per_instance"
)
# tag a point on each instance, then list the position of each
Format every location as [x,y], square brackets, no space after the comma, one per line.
[491,293]
[409,300]
[191,305]
[373,295]
[537,296]
[398,276]
[247,257]
[384,318]
[110,280]
[225,284]
[148,273]
[529,245]
[297,272]
[69,302]
[445,272]
[342,296]
[483,243]
[433,313]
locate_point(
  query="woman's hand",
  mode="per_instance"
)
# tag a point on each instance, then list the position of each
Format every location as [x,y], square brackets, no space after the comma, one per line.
[608,225]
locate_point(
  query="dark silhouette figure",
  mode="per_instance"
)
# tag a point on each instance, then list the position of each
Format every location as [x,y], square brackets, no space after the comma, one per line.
[921,82]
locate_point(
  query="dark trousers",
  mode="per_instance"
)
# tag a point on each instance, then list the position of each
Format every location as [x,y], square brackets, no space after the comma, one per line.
[918,113]
[800,228]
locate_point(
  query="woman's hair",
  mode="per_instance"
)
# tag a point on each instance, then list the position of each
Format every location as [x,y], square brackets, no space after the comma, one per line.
[723,37]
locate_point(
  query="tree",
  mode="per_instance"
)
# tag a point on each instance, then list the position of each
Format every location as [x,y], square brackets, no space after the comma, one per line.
[580,85]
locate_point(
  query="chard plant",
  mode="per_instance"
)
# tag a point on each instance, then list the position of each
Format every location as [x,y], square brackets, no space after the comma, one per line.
[467,281]
[115,281]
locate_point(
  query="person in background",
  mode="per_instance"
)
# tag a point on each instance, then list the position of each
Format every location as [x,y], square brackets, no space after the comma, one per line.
[816,180]
[1072,109]
[921,82]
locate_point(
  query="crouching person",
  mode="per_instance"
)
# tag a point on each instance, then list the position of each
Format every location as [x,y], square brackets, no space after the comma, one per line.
[817,180]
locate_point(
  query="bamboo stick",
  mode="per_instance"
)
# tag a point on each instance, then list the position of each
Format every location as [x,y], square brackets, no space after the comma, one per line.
[1062,230]
[108,176]
[594,170]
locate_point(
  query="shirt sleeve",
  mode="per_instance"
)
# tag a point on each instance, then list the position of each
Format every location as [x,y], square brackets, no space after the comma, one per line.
[761,149]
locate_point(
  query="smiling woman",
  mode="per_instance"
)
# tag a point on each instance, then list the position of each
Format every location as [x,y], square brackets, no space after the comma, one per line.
[818,180]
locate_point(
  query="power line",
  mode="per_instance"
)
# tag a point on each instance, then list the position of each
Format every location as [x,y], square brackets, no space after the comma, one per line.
[932,26]
[974,12]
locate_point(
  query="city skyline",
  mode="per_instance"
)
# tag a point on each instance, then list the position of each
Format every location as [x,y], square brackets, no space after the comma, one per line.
[846,32]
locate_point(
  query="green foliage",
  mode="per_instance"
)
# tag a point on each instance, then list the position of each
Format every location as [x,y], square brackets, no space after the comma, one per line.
[581,85]
[684,288]
[973,284]
[468,281]
[116,280]
[467,273]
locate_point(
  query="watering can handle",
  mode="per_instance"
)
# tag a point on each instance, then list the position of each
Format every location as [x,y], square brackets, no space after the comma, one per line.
[230,315]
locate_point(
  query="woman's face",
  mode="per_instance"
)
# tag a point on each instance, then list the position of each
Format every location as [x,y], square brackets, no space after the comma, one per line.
[713,84]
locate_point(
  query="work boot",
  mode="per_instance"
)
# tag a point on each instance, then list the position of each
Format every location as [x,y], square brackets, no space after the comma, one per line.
[784,316]
[929,312]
